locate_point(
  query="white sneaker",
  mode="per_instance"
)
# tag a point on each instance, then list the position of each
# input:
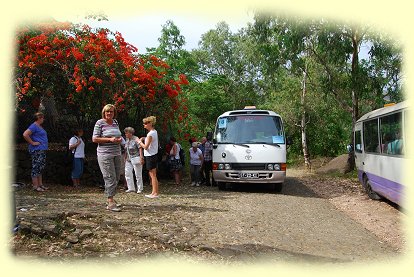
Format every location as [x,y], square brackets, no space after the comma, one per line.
[139,191]
[130,190]
[197,184]
[192,184]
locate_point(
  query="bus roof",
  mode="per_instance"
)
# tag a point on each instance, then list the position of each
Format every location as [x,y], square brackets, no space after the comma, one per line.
[385,110]
[249,112]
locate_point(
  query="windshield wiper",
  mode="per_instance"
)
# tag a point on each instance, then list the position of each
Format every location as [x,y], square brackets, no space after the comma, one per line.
[241,144]
[273,144]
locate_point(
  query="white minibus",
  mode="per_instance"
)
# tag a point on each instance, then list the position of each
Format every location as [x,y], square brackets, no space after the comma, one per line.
[249,146]
[380,145]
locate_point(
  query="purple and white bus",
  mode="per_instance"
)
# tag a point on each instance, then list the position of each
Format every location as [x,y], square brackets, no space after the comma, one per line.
[380,147]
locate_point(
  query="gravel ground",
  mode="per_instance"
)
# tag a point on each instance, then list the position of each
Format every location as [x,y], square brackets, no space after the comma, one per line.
[314,219]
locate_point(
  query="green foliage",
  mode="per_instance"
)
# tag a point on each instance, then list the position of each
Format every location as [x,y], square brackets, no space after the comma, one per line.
[341,86]
[263,64]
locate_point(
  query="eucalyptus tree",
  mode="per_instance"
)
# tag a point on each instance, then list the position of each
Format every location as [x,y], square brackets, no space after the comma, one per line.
[353,80]
[223,55]
[332,50]
[384,70]
[284,46]
[181,62]
[171,50]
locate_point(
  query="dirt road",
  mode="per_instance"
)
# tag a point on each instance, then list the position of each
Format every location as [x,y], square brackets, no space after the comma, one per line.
[313,219]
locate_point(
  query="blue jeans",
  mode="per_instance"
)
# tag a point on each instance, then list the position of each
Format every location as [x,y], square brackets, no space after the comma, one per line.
[77,168]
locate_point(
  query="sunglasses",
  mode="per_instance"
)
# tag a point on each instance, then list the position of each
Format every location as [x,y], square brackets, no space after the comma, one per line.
[145,123]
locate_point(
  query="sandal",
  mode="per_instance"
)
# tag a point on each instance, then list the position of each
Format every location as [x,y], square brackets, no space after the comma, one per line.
[116,203]
[44,187]
[39,188]
[113,207]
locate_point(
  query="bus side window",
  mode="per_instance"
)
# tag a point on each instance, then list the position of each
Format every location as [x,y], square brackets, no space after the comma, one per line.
[391,134]
[371,141]
[405,135]
[358,144]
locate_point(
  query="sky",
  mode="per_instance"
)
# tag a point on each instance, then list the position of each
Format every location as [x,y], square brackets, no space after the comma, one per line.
[143,31]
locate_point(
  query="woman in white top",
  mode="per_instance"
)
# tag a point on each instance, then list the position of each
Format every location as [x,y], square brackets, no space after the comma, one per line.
[174,160]
[77,146]
[150,145]
[196,161]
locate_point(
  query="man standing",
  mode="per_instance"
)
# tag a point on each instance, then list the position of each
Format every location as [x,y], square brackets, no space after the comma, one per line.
[208,154]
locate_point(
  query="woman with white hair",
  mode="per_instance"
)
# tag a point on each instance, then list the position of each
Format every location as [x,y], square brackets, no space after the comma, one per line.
[196,160]
[134,159]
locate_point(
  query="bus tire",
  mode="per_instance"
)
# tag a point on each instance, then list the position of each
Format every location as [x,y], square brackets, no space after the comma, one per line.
[221,185]
[213,182]
[277,187]
[371,194]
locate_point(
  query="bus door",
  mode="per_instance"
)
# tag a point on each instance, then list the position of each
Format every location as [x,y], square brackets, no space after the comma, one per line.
[359,150]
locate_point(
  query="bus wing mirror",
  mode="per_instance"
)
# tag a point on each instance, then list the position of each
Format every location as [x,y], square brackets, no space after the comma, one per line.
[288,141]
[215,143]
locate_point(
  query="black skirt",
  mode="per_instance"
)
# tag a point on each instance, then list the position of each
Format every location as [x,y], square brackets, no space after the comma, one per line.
[175,165]
[151,161]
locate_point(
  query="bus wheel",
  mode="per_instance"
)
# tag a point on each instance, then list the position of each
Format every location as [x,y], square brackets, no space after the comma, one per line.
[213,182]
[371,194]
[221,185]
[277,187]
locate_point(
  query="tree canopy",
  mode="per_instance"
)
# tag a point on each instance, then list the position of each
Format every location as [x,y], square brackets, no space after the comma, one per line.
[84,69]
[312,72]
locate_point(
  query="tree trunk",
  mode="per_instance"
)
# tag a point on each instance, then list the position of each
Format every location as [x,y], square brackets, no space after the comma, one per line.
[48,107]
[303,123]
[355,85]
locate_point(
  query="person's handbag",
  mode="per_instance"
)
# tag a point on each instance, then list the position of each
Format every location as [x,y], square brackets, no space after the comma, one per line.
[136,160]
[69,155]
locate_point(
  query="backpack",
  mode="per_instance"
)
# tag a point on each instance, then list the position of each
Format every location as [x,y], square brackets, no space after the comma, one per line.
[69,155]
[182,156]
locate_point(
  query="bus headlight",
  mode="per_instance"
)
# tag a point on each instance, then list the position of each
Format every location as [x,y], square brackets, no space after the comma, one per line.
[217,166]
[273,167]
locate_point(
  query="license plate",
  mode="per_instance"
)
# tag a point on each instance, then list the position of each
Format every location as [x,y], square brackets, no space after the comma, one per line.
[249,175]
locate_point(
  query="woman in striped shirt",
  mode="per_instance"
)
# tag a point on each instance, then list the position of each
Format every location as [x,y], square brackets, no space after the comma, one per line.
[107,135]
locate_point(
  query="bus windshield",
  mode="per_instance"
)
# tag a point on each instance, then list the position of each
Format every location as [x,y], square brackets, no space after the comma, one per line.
[242,129]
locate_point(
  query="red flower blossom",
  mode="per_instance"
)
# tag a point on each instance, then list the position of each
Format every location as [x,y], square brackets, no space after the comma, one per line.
[95,59]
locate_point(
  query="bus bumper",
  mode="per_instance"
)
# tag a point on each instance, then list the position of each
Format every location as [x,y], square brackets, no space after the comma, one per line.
[231,176]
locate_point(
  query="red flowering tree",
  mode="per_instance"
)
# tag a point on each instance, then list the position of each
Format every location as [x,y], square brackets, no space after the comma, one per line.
[87,68]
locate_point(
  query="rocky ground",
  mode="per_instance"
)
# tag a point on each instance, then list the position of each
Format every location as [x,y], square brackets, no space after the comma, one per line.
[203,223]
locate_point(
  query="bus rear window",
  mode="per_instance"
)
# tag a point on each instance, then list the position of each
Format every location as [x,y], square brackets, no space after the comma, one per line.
[358,142]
